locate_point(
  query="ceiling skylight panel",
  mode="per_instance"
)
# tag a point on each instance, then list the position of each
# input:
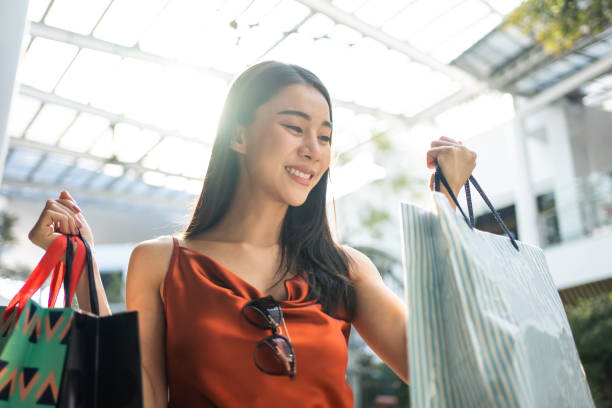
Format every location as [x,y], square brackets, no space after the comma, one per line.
[597,50]
[110,88]
[194,187]
[154,178]
[504,7]
[85,76]
[167,33]
[126,20]
[349,5]
[253,43]
[318,59]
[397,81]
[20,162]
[458,44]
[367,56]
[190,102]
[37,9]
[131,143]
[376,12]
[195,160]
[412,19]
[285,15]
[83,132]
[297,48]
[360,129]
[317,26]
[426,87]
[113,169]
[76,15]
[167,156]
[176,183]
[103,145]
[449,23]
[345,35]
[22,111]
[139,82]
[476,116]
[50,169]
[256,11]
[50,123]
[100,182]
[45,62]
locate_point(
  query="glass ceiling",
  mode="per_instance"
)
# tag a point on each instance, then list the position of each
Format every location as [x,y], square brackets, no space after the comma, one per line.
[121,96]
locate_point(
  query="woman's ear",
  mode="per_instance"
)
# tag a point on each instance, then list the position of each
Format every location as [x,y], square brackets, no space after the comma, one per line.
[238,140]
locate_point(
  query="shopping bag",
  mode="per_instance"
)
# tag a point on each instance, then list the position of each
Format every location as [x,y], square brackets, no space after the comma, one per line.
[103,366]
[63,357]
[33,339]
[486,324]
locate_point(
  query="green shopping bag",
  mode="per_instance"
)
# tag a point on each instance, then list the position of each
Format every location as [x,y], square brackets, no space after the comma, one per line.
[33,339]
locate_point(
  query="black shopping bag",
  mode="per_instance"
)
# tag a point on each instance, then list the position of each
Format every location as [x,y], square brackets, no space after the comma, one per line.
[102,368]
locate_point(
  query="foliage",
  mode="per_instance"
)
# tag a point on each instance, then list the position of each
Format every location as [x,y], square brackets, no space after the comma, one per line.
[378,379]
[558,24]
[7,223]
[591,323]
[373,220]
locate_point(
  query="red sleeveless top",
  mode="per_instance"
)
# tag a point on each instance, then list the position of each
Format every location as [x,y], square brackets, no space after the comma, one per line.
[210,344]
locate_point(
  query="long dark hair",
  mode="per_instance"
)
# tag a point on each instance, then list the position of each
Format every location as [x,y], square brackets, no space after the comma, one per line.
[306,243]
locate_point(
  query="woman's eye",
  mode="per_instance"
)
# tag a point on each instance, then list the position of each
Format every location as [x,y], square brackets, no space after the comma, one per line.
[295,128]
[326,138]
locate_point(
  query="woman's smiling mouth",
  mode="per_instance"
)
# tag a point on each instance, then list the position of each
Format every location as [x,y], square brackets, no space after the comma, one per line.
[299,176]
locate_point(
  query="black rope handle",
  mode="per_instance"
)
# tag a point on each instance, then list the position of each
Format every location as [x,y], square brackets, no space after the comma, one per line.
[439,177]
[93,295]
[68,270]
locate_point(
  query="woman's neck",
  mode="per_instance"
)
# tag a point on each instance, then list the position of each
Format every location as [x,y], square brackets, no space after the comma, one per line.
[253,218]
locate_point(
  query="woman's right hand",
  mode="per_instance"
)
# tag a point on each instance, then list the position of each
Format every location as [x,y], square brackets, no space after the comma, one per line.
[60,216]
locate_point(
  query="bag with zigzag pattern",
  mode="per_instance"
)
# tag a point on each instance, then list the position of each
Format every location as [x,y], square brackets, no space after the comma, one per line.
[61,357]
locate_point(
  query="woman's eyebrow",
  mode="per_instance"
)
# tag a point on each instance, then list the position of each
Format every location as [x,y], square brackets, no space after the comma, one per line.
[303,115]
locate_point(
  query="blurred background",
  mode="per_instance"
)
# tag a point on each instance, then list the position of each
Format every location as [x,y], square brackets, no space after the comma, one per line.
[118,100]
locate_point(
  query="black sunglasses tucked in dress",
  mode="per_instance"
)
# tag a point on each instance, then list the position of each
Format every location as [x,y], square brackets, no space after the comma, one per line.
[274,354]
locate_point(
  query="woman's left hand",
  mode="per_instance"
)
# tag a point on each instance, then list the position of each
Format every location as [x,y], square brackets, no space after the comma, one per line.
[456,161]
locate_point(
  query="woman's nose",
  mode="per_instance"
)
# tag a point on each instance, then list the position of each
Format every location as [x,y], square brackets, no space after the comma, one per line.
[310,147]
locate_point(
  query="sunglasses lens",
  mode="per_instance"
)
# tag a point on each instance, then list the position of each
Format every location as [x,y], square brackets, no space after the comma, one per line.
[264,314]
[275,355]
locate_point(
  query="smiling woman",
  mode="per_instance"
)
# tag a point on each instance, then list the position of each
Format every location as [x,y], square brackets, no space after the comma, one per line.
[253,305]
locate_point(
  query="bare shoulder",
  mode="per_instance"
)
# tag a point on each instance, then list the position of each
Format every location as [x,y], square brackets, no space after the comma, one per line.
[149,261]
[361,266]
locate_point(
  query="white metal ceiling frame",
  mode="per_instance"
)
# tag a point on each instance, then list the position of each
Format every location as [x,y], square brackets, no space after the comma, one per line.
[470,86]
[87,41]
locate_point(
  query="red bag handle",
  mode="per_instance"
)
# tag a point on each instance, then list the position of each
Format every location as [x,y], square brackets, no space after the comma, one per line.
[59,272]
[39,275]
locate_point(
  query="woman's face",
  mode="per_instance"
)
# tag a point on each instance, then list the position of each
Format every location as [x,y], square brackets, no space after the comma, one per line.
[289,139]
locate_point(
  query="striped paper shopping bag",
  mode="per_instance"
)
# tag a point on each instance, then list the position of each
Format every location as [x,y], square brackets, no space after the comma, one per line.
[486,324]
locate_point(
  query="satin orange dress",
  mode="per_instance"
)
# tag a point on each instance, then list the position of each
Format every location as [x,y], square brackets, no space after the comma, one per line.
[210,344]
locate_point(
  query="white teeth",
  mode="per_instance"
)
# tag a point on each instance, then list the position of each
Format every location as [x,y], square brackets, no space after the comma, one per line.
[298,173]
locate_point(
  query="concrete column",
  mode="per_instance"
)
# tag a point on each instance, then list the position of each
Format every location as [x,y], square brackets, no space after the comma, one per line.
[12,25]
[525,199]
[567,200]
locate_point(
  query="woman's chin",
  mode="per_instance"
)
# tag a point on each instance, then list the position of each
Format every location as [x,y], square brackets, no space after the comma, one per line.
[296,201]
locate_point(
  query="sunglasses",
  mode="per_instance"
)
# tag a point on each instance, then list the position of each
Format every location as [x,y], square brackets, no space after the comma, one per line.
[274,354]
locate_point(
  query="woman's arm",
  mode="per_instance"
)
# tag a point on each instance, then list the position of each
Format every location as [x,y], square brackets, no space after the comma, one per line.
[380,316]
[147,268]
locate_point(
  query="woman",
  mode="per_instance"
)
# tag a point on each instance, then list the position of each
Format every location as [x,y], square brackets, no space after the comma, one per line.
[252,306]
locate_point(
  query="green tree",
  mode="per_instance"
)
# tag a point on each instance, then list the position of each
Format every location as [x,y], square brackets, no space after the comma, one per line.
[591,323]
[557,24]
